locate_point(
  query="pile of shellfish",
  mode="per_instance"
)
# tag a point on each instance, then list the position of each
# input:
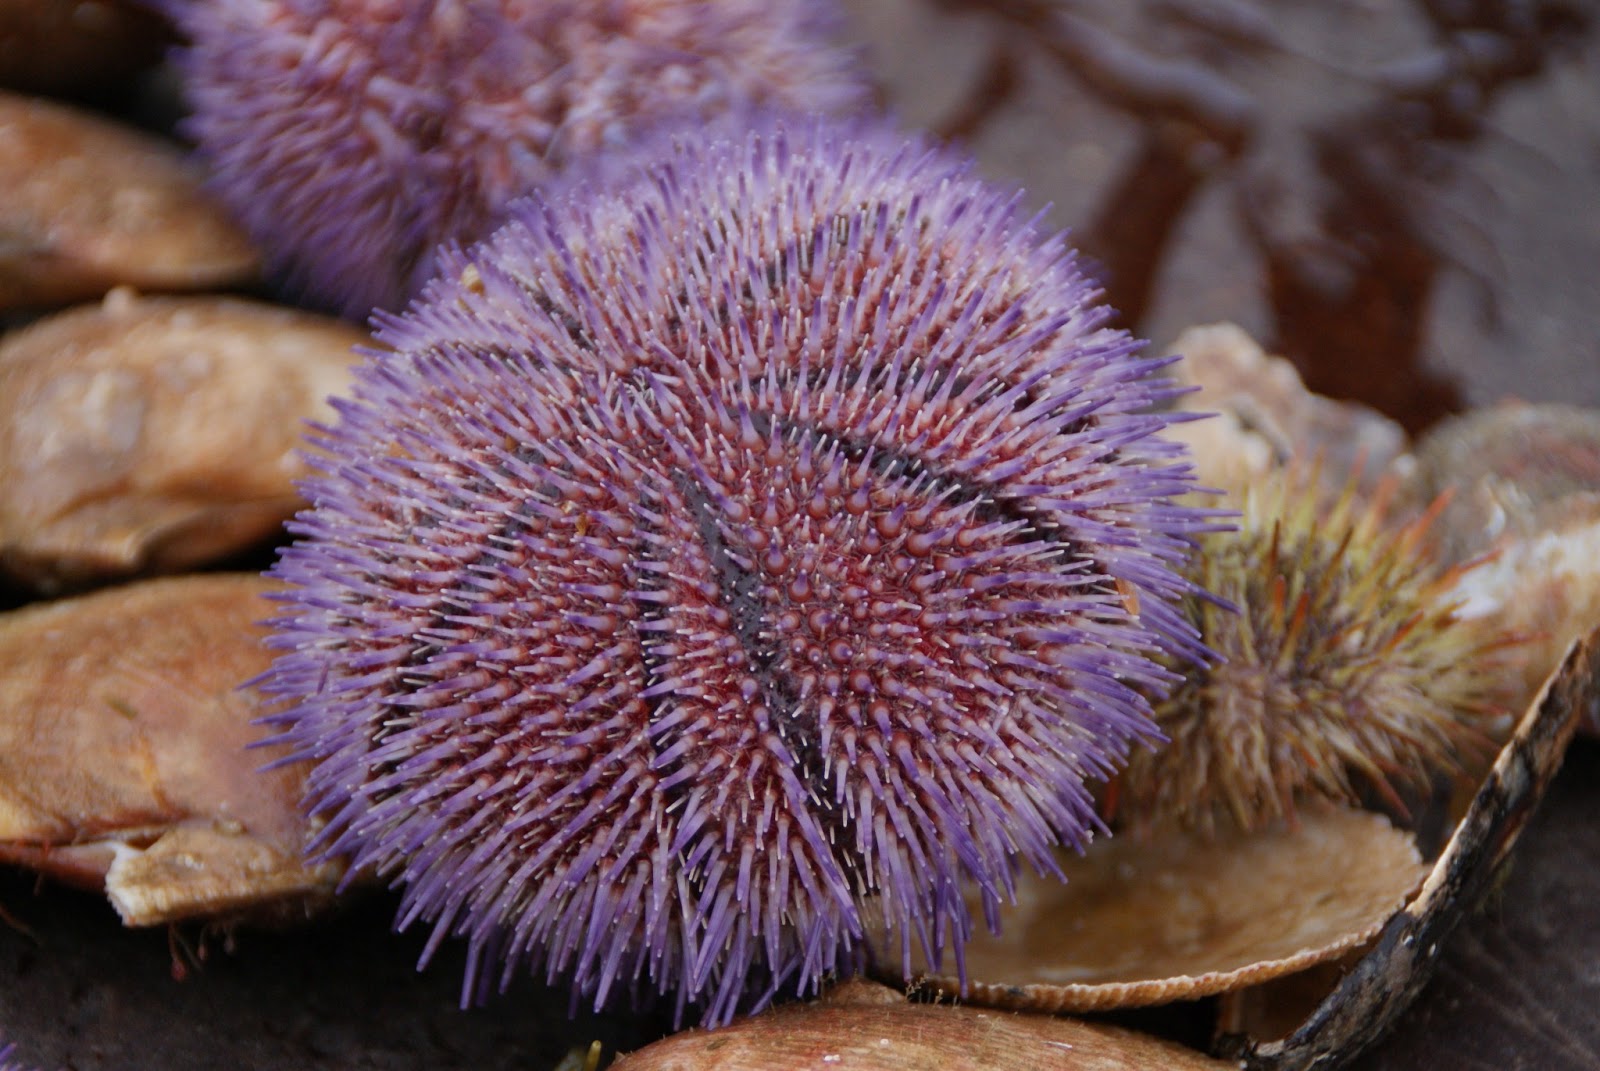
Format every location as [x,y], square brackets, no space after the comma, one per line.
[155,391]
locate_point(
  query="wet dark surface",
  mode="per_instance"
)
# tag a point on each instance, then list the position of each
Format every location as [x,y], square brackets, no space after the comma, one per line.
[1402,197]
[1398,196]
[82,992]
[1518,986]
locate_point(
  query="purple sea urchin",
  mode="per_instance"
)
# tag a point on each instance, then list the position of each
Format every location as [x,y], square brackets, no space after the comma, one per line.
[1346,667]
[352,137]
[775,537]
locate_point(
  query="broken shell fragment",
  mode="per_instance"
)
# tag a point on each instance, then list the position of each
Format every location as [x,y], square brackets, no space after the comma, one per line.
[1265,416]
[90,205]
[1174,916]
[156,433]
[1384,981]
[123,761]
[865,1027]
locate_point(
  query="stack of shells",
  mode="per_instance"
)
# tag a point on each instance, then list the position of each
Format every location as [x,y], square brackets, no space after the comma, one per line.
[761,536]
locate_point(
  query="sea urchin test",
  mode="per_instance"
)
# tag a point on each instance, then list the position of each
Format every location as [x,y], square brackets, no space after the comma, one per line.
[727,556]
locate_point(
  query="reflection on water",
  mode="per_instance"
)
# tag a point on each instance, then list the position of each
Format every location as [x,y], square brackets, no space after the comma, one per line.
[1316,170]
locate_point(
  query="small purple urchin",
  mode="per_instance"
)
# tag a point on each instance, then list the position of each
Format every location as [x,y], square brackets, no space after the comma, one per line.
[352,137]
[724,559]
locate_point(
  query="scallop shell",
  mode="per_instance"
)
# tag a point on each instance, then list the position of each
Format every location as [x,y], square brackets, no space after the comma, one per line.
[124,760]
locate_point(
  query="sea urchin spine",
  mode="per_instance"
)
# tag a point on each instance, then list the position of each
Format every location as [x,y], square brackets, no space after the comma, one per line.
[766,541]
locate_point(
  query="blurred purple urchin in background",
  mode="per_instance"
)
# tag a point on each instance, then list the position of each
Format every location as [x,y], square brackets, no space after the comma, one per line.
[351,137]
[730,558]
[8,1061]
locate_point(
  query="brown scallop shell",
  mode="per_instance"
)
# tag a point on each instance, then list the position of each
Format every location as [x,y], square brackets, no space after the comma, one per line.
[1381,985]
[125,759]
[90,205]
[863,1027]
[156,433]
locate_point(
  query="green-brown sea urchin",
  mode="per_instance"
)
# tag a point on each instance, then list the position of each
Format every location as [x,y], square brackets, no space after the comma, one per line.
[1345,668]
[776,532]
[351,137]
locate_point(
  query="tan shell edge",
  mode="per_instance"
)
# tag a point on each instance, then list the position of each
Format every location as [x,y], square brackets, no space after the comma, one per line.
[857,1029]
